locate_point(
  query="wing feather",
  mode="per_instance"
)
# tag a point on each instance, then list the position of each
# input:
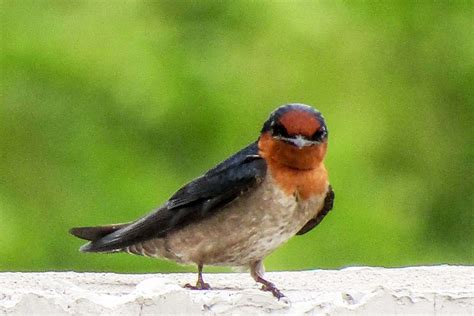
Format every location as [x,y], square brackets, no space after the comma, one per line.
[195,201]
[328,204]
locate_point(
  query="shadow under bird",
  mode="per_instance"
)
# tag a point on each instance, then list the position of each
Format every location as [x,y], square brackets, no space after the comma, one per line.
[241,210]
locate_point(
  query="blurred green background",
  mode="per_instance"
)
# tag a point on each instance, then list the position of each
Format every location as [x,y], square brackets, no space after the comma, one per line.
[108,107]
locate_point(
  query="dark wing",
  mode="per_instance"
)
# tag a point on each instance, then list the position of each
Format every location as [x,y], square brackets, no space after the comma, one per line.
[328,203]
[195,201]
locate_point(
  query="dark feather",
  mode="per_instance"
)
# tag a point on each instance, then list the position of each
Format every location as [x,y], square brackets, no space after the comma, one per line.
[328,204]
[97,232]
[195,201]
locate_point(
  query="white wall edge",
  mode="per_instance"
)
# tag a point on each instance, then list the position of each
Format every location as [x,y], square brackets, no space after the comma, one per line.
[424,290]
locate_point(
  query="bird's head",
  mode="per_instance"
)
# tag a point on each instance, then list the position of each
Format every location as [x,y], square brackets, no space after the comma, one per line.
[295,135]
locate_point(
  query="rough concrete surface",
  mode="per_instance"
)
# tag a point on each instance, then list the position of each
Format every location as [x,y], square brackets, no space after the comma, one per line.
[438,290]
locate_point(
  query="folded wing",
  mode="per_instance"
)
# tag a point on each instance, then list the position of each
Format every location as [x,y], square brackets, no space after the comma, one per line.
[195,201]
[312,223]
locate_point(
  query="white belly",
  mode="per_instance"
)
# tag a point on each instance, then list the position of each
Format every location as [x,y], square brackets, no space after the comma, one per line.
[247,230]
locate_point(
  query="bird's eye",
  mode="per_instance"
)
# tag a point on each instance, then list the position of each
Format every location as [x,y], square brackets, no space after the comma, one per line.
[280,130]
[320,134]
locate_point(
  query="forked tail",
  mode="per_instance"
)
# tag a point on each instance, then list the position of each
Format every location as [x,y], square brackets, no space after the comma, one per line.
[95,233]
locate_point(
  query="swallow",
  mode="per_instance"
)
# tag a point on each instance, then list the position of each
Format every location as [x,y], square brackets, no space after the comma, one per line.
[241,210]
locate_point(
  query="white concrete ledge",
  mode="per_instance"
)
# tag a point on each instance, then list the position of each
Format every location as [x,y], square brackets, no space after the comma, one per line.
[439,290]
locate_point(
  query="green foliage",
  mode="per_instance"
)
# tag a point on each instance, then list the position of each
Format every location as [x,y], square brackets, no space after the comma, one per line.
[108,107]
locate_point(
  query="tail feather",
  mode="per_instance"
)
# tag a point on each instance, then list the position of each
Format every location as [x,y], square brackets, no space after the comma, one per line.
[94,233]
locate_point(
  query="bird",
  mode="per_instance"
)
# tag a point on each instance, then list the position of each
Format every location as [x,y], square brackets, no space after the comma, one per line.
[241,210]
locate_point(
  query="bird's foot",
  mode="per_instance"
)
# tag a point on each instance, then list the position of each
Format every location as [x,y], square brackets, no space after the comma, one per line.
[257,270]
[270,287]
[199,286]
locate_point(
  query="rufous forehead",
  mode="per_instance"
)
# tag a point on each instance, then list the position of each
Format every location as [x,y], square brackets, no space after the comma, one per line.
[300,123]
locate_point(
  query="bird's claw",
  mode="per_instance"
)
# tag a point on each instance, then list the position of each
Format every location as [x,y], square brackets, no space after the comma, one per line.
[272,288]
[199,286]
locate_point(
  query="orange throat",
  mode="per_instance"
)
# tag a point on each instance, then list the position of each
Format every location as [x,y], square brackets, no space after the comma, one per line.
[299,172]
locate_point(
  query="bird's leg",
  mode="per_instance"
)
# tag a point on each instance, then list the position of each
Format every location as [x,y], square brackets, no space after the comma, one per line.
[200,284]
[257,270]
